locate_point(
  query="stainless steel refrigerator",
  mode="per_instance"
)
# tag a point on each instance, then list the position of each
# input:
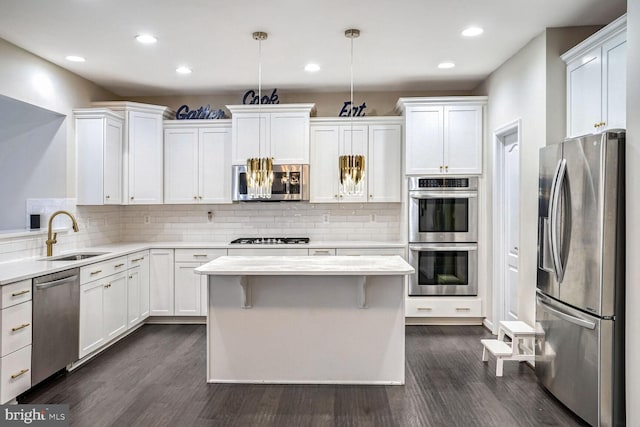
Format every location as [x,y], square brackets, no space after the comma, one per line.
[580,276]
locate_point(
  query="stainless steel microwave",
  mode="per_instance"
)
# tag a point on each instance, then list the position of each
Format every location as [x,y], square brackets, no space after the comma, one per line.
[290,183]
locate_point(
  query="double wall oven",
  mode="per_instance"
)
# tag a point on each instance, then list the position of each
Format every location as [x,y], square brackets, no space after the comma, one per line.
[443,236]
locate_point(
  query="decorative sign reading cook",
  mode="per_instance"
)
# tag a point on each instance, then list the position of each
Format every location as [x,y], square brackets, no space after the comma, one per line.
[251,97]
[201,113]
[355,111]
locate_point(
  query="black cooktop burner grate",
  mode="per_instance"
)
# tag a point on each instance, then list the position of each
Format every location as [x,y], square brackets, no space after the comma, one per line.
[270,240]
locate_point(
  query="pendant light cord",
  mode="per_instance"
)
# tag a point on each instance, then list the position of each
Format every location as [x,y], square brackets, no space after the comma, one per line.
[351,111]
[259,97]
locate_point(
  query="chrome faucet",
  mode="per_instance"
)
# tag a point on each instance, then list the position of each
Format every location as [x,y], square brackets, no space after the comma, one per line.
[52,241]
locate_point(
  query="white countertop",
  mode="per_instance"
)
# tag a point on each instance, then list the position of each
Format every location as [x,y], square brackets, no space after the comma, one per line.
[305,265]
[27,268]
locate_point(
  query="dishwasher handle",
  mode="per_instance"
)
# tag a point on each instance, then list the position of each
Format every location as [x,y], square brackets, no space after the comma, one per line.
[56,282]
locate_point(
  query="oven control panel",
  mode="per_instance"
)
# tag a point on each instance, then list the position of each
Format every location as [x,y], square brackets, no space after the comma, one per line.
[437,183]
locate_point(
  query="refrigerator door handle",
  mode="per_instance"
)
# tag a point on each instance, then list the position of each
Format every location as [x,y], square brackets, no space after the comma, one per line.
[565,316]
[556,190]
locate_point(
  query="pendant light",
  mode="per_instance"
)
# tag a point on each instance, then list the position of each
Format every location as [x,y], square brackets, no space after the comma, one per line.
[351,166]
[259,169]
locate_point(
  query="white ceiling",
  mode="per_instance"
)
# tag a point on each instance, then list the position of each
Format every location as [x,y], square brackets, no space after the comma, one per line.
[400,45]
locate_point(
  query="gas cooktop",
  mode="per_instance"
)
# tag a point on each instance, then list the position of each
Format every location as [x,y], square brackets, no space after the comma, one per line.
[271,240]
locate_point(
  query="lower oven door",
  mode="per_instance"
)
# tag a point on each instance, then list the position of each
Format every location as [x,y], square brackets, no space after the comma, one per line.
[443,269]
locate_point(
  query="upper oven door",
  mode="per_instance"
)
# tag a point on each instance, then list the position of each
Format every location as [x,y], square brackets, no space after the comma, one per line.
[443,216]
[289,183]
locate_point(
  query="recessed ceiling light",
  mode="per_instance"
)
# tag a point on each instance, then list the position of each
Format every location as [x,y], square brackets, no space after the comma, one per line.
[146,38]
[312,68]
[183,70]
[445,65]
[75,58]
[472,31]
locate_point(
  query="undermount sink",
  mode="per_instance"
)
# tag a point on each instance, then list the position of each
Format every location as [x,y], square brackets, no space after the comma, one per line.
[73,257]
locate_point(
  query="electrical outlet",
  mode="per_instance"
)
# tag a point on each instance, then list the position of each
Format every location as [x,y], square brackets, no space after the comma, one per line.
[372,217]
[147,219]
[325,218]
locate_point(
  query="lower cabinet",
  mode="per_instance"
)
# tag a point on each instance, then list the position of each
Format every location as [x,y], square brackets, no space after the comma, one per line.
[15,340]
[190,289]
[103,311]
[161,282]
[455,307]
[137,288]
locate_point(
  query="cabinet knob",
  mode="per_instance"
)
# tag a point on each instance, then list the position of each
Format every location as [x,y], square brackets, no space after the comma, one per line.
[200,197]
[446,168]
[131,197]
[340,196]
[335,196]
[371,196]
[195,197]
[106,197]
[440,168]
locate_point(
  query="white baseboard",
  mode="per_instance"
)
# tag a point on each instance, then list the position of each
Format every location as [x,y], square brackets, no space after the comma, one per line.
[475,321]
[176,320]
[488,324]
[75,365]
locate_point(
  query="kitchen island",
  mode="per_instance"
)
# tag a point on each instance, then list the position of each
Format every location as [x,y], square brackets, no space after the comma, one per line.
[306,320]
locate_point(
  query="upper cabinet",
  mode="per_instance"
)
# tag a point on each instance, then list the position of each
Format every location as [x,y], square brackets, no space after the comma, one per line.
[142,150]
[596,81]
[197,161]
[280,131]
[443,136]
[379,139]
[99,134]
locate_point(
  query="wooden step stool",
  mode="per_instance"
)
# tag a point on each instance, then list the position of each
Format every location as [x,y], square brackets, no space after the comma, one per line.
[517,331]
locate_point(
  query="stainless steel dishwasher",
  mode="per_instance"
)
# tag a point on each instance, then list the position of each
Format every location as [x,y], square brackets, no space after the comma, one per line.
[56,323]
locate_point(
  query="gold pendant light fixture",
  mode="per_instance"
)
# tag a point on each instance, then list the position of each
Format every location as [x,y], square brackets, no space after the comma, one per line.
[259,169]
[351,166]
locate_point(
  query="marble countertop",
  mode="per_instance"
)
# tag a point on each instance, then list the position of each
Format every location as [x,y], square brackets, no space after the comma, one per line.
[27,268]
[305,265]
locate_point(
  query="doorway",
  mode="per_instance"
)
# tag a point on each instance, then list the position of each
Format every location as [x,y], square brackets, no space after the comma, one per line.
[506,222]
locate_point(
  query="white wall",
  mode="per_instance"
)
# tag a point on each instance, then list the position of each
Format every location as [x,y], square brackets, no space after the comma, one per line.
[633,214]
[529,86]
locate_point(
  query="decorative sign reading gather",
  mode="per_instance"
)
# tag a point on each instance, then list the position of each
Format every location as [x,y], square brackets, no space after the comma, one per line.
[349,111]
[201,113]
[250,97]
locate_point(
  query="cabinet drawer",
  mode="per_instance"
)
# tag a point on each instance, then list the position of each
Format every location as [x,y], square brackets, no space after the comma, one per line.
[15,322]
[15,293]
[15,374]
[138,258]
[198,255]
[370,251]
[442,307]
[102,269]
[321,252]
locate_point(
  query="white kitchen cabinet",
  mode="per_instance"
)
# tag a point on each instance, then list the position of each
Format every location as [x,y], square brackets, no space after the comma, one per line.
[143,159]
[15,340]
[379,139]
[103,311]
[137,288]
[99,139]
[277,130]
[197,161]
[596,81]
[371,251]
[443,307]
[443,136]
[190,289]
[161,267]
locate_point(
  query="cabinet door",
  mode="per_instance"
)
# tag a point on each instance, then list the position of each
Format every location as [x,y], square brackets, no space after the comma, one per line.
[90,151]
[204,295]
[133,297]
[115,305]
[214,165]
[145,158]
[91,317]
[250,132]
[112,162]
[425,140]
[584,94]
[290,138]
[354,140]
[144,287]
[463,139]
[181,166]
[384,171]
[323,179]
[161,282]
[187,289]
[614,79]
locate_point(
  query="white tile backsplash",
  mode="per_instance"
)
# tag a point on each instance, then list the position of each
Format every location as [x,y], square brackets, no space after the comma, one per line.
[190,223]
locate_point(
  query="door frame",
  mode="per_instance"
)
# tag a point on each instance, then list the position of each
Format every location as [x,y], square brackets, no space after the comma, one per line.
[499,262]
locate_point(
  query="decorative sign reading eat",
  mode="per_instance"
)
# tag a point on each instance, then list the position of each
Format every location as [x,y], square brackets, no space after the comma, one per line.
[250,97]
[349,111]
[201,113]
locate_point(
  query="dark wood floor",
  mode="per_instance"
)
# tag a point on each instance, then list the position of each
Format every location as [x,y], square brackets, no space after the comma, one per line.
[155,377]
